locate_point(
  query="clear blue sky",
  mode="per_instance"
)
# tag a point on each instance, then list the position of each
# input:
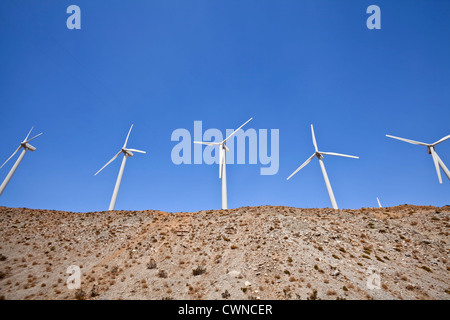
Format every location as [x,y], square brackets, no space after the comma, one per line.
[163,64]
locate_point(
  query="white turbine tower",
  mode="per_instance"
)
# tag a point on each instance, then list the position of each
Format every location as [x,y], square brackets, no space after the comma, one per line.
[319,155]
[430,148]
[126,153]
[26,146]
[379,203]
[222,163]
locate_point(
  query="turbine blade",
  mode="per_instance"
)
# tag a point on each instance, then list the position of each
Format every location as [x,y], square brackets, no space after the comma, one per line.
[444,168]
[442,140]
[304,164]
[313,137]
[237,130]
[436,164]
[112,159]
[409,141]
[338,154]
[33,137]
[379,204]
[126,140]
[28,134]
[208,143]
[11,156]
[135,150]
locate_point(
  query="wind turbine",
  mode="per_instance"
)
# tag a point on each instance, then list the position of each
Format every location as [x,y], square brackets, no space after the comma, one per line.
[319,155]
[430,148]
[379,203]
[126,153]
[222,163]
[26,146]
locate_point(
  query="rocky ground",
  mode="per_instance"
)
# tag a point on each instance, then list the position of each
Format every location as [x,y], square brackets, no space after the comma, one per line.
[246,253]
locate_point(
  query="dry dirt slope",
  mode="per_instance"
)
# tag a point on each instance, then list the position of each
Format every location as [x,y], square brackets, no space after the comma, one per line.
[246,253]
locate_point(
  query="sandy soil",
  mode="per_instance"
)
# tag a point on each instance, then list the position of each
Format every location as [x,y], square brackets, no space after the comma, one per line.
[246,253]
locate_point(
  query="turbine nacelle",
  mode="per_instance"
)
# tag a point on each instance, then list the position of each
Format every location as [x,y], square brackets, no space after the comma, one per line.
[127,152]
[28,146]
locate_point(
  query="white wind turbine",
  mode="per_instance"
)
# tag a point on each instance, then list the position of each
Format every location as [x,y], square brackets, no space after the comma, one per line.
[379,203]
[126,153]
[319,155]
[26,146]
[430,148]
[222,163]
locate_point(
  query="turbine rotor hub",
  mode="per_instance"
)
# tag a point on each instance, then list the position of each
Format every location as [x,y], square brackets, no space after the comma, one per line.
[127,152]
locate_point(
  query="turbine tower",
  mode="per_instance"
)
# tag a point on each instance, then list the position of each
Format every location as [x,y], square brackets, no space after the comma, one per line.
[379,203]
[26,146]
[430,148]
[319,155]
[126,153]
[222,163]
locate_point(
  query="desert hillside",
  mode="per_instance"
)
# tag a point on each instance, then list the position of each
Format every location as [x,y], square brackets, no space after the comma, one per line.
[246,253]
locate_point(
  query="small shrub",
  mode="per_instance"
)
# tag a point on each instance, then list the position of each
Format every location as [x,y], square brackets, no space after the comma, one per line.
[313,295]
[426,269]
[162,274]
[198,271]
[331,293]
[80,294]
[151,264]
